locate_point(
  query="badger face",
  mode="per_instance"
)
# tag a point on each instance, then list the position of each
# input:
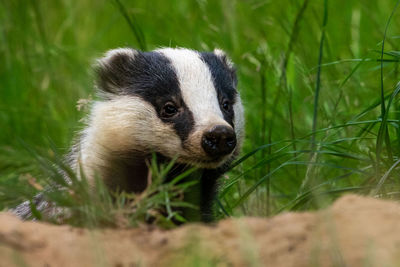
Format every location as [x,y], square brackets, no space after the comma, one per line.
[180,103]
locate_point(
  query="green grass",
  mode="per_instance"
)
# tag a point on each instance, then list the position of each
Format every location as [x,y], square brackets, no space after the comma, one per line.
[318,80]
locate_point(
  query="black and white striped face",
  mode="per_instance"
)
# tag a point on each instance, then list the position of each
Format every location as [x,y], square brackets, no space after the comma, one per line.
[177,102]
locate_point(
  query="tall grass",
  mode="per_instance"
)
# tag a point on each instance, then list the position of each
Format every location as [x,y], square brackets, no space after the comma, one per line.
[322,111]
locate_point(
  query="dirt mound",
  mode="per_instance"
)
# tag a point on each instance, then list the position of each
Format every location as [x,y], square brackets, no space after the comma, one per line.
[355,231]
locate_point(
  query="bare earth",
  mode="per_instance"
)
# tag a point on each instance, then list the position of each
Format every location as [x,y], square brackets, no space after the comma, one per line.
[355,231]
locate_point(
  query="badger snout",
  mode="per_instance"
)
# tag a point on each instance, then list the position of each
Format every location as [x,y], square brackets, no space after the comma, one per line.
[220,140]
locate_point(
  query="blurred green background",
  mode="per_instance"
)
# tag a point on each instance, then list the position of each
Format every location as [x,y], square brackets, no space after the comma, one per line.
[47,49]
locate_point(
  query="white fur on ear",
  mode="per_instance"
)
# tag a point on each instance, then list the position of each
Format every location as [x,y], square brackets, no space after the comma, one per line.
[129,52]
[222,55]
[112,69]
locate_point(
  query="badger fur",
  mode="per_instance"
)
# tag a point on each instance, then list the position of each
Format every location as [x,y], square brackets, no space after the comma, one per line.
[178,103]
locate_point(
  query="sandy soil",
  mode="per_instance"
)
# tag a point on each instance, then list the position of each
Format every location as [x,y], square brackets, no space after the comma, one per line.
[355,231]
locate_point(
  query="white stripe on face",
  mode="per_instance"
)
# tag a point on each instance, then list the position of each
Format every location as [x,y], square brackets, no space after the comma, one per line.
[196,85]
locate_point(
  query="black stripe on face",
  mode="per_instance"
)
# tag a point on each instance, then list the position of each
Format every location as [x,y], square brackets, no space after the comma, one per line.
[150,76]
[224,80]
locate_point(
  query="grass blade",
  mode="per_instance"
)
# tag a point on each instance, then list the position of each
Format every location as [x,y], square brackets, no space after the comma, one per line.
[133,25]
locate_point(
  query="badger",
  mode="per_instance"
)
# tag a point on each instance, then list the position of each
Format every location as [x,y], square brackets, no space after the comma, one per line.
[178,103]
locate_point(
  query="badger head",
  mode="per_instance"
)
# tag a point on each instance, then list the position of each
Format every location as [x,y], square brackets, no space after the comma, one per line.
[179,103]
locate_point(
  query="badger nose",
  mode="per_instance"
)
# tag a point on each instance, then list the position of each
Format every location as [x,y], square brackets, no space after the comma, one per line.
[219,140]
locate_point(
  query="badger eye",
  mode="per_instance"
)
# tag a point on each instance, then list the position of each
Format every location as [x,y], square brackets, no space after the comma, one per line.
[169,110]
[226,105]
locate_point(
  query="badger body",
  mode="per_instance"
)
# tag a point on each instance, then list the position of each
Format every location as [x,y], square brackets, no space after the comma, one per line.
[178,103]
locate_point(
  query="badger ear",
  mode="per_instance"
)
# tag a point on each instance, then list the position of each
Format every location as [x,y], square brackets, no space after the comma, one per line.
[114,70]
[228,63]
